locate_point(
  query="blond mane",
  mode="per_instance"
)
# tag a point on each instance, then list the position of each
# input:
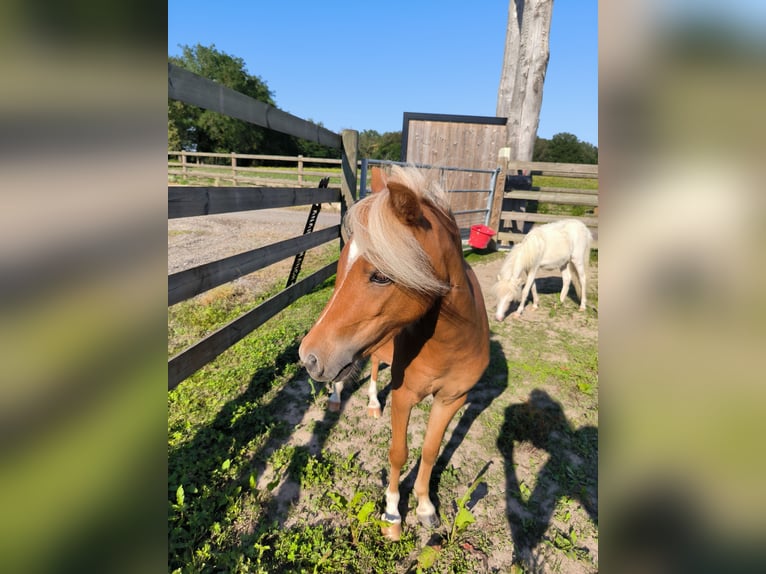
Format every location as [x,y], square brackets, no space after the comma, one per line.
[388,244]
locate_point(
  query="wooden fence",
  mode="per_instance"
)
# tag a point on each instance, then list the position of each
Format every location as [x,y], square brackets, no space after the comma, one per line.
[188,201]
[563,197]
[237,173]
[194,201]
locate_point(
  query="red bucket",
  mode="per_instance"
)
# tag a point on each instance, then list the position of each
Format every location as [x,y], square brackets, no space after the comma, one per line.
[480,236]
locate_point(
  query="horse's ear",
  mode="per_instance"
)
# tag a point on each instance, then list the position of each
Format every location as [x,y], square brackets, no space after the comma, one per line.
[405,204]
[378,180]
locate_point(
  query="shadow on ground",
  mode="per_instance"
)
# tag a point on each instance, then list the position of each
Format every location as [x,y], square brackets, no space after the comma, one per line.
[198,463]
[571,470]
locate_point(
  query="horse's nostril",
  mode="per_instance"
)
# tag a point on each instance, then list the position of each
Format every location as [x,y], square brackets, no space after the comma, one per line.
[312,365]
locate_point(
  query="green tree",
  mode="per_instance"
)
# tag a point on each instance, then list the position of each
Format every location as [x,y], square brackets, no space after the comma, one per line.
[390,147]
[368,144]
[208,131]
[373,145]
[312,149]
[541,149]
[565,148]
[590,153]
[174,138]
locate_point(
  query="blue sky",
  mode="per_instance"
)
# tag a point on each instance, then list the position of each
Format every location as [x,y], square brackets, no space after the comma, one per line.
[361,65]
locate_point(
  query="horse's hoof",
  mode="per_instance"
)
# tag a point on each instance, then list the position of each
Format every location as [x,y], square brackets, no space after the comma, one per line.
[391,531]
[373,412]
[333,407]
[429,520]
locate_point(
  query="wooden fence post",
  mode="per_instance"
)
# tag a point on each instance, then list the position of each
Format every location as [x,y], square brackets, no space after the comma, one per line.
[497,204]
[183,162]
[300,169]
[348,170]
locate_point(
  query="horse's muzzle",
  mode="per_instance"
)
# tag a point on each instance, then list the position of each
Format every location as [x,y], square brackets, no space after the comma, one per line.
[319,372]
[313,367]
[337,368]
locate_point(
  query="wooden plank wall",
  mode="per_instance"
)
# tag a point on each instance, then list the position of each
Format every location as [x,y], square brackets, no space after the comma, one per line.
[457,144]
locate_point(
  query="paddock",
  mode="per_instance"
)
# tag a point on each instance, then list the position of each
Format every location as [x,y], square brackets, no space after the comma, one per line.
[262,477]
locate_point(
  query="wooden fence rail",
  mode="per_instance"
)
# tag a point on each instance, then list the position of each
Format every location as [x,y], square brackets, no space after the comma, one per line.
[238,173]
[563,196]
[196,280]
[192,201]
[192,89]
[198,355]
[199,201]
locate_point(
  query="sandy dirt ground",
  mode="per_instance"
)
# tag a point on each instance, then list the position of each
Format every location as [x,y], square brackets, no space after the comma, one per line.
[194,241]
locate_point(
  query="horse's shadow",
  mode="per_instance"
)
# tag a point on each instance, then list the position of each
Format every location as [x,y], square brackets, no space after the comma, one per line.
[549,285]
[571,470]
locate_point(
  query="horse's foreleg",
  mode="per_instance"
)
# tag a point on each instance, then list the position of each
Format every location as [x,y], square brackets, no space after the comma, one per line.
[441,415]
[373,407]
[535,298]
[525,292]
[333,403]
[401,405]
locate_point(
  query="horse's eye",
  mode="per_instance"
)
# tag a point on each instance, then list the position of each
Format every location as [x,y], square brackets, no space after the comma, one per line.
[379,278]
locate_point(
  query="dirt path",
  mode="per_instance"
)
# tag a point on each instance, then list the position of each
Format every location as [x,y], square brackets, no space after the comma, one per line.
[194,241]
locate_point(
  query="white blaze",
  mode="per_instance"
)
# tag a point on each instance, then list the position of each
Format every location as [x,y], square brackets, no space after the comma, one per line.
[353,254]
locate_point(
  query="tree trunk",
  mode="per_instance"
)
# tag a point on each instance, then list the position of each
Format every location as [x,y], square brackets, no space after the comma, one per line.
[520,95]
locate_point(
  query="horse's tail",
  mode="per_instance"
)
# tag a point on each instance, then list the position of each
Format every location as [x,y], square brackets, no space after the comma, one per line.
[588,243]
[588,239]
[586,249]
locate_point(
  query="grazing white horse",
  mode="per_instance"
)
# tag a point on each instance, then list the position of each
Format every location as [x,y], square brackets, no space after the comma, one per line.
[562,245]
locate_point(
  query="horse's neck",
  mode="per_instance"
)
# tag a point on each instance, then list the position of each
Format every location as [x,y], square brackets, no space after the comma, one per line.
[464,300]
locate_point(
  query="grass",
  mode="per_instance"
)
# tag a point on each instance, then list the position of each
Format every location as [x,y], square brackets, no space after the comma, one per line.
[563,209]
[261,478]
[191,320]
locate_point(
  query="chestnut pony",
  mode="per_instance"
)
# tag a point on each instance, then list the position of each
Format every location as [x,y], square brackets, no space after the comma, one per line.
[404,295]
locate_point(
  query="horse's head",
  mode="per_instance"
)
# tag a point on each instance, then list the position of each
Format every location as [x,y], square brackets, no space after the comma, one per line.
[509,285]
[389,274]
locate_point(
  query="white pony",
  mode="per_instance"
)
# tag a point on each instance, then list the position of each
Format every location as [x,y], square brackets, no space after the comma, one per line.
[562,245]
